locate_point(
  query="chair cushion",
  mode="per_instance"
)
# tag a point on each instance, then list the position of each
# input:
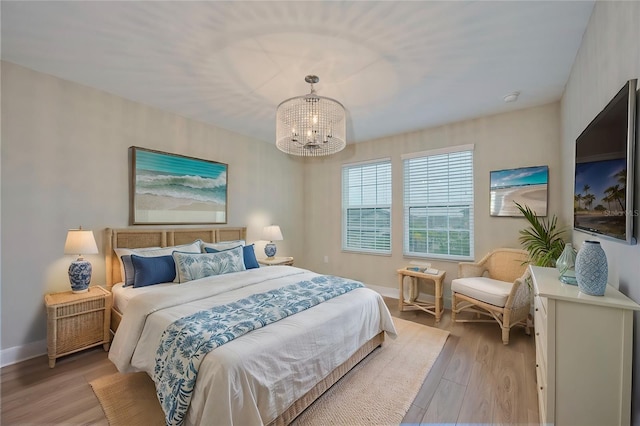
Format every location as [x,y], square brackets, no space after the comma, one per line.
[485,289]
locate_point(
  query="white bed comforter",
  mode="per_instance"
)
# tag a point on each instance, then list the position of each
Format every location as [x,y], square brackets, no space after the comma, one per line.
[254,378]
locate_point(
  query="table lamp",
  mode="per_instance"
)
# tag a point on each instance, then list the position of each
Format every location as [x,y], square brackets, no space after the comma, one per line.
[271,233]
[80,242]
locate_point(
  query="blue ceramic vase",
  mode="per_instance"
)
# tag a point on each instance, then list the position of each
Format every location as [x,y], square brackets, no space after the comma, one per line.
[591,269]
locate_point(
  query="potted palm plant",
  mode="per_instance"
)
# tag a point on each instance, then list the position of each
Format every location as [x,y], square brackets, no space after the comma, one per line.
[542,239]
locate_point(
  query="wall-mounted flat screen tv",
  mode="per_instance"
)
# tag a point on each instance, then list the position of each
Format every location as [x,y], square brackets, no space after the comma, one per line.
[604,170]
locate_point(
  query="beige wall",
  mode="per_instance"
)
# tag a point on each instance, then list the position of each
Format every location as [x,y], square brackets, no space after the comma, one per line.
[608,57]
[529,137]
[65,164]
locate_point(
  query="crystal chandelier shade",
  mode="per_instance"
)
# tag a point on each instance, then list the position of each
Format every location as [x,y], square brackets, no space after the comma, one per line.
[311,125]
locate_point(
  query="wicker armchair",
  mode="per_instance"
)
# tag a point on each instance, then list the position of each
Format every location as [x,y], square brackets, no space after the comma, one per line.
[495,286]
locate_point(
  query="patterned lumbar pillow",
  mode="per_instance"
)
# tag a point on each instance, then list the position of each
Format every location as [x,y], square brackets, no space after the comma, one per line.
[192,266]
[248,252]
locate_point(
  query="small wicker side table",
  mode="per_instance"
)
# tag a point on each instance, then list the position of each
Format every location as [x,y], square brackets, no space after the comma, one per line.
[436,307]
[77,321]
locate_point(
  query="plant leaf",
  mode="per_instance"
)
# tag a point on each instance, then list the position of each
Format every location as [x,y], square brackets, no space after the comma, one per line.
[542,239]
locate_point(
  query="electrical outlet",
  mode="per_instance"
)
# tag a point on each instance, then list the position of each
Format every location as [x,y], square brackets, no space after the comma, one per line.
[326,259]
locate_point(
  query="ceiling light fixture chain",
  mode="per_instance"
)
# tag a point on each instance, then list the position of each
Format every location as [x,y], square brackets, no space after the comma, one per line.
[311,125]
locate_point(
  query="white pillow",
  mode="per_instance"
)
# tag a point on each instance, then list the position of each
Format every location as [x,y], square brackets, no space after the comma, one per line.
[194,247]
[223,245]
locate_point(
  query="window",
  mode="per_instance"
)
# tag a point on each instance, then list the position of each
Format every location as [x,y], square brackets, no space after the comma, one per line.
[438,203]
[366,207]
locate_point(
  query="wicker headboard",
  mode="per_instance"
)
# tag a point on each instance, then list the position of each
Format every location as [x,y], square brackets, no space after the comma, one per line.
[160,237]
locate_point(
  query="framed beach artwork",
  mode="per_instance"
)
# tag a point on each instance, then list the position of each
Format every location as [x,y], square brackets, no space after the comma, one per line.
[526,186]
[176,189]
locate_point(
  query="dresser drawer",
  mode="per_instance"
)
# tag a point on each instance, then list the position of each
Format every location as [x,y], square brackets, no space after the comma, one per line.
[541,389]
[540,325]
[540,315]
[541,303]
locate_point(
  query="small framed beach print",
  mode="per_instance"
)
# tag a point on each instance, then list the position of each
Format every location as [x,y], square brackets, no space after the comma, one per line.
[176,189]
[526,186]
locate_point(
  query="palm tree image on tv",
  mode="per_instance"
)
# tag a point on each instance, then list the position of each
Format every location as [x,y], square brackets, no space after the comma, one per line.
[600,197]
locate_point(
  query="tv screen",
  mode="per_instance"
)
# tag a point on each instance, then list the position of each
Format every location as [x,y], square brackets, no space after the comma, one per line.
[603,192]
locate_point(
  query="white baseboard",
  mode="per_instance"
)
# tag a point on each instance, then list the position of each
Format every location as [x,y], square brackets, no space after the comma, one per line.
[384,291]
[393,294]
[22,353]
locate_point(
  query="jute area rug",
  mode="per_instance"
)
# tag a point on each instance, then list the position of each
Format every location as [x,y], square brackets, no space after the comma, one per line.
[377,391]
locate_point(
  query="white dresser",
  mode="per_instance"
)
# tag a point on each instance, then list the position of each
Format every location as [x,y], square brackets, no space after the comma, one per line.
[583,353]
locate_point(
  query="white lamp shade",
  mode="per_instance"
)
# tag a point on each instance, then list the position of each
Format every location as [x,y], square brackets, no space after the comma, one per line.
[272,233]
[80,241]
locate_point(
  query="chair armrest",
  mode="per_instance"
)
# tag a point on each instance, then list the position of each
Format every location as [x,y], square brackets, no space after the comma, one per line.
[520,292]
[470,269]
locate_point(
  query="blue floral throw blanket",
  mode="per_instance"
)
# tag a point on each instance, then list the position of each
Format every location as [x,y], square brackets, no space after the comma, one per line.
[186,341]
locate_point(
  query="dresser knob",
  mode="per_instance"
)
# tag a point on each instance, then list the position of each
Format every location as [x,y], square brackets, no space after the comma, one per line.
[537,365]
[536,309]
[537,334]
[541,388]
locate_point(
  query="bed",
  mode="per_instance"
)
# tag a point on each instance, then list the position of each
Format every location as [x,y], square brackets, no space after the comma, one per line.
[267,376]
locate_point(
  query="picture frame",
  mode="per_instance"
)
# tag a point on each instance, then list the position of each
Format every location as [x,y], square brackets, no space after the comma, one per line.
[528,186]
[176,189]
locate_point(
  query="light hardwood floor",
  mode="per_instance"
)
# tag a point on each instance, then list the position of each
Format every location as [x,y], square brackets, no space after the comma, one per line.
[476,379]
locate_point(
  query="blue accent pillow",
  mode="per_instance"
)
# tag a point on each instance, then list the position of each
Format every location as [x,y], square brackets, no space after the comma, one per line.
[248,254]
[152,270]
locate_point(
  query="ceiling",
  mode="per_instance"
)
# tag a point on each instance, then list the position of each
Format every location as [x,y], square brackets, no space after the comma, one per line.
[395,66]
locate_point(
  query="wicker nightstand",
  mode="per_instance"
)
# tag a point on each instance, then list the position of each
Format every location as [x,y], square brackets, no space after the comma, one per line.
[77,321]
[276,261]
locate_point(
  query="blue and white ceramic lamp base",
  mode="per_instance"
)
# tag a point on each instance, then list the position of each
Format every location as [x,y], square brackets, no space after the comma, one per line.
[270,250]
[80,276]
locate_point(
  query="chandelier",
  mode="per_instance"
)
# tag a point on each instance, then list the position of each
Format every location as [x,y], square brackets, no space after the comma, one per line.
[311,125]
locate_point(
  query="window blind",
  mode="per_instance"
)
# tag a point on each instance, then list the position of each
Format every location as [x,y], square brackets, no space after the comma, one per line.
[438,204]
[366,207]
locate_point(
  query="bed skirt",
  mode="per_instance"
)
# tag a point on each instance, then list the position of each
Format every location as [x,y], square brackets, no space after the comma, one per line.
[307,399]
